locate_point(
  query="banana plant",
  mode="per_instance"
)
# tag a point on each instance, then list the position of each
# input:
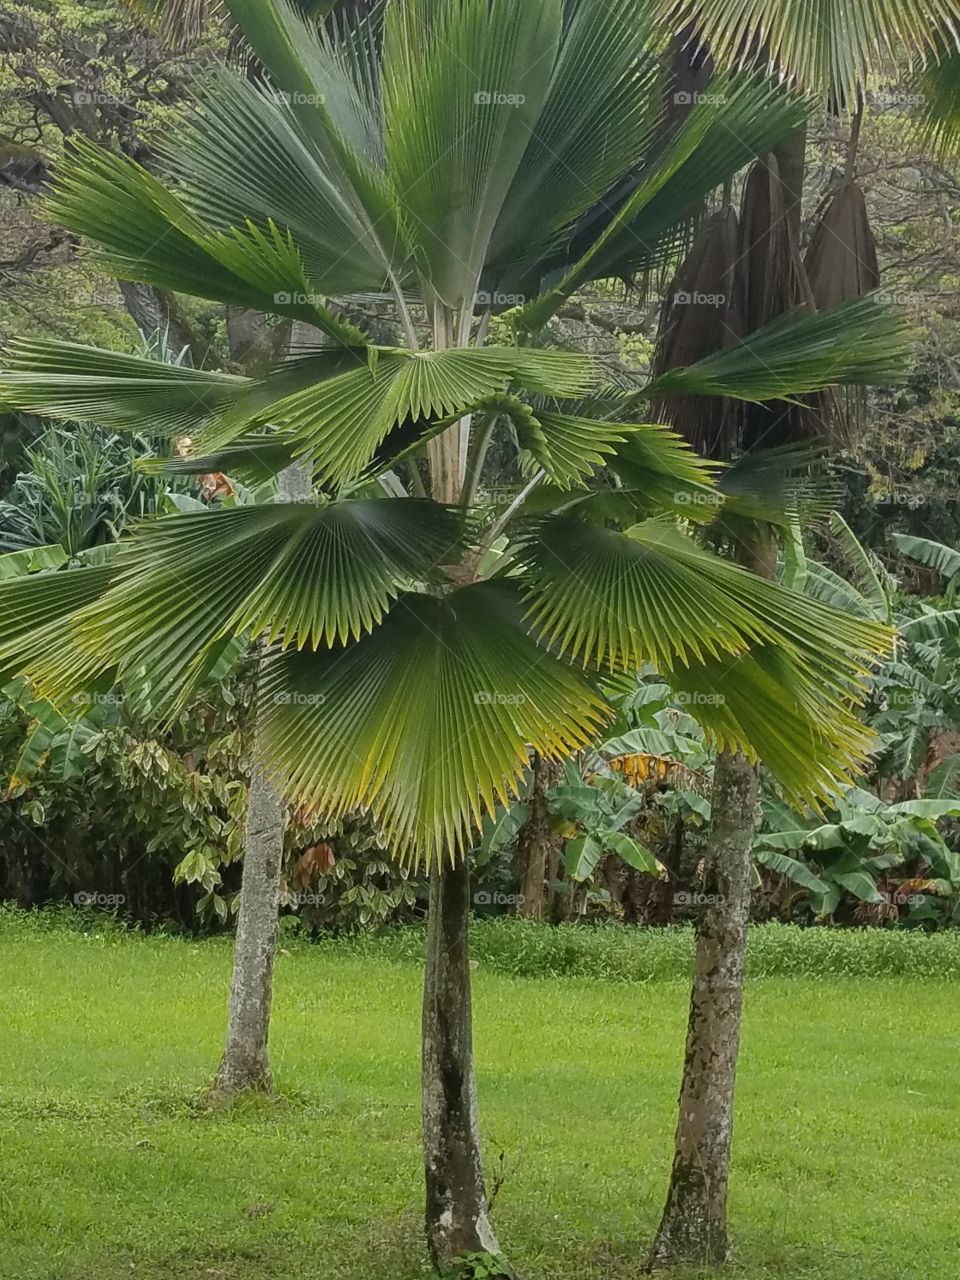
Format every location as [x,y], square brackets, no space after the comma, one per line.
[864,839]
[440,158]
[917,693]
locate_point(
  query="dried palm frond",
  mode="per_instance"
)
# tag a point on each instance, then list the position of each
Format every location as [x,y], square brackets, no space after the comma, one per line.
[841,259]
[773,282]
[701,315]
[841,263]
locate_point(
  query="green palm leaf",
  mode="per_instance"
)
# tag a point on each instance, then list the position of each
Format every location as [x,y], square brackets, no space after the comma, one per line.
[828,46]
[939,122]
[143,232]
[764,670]
[858,343]
[32,609]
[253,459]
[287,180]
[126,393]
[453,147]
[603,86]
[741,117]
[428,722]
[300,575]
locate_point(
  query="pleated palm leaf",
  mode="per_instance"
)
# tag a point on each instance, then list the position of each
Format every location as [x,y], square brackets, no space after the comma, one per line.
[440,160]
[827,46]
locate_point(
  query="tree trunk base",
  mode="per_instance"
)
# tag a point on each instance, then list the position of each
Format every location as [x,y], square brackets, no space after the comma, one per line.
[694,1224]
[234,1078]
[457,1212]
[690,1232]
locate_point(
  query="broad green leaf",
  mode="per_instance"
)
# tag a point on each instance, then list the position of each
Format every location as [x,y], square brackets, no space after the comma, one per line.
[581,857]
[783,865]
[631,851]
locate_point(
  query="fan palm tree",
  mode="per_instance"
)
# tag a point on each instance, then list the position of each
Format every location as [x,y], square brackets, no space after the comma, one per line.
[828,49]
[424,631]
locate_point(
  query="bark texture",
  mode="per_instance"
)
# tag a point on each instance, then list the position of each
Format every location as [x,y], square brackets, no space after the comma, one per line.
[694,1224]
[457,1219]
[246,1061]
[156,312]
[535,843]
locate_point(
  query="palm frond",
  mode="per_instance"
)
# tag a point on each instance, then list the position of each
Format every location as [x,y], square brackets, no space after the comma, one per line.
[252,459]
[827,46]
[464,86]
[143,232]
[427,723]
[34,605]
[739,118]
[860,343]
[604,84]
[128,393]
[286,180]
[939,119]
[300,575]
[763,669]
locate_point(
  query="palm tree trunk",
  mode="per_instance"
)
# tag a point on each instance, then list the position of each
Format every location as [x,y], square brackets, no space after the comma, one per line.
[246,1062]
[457,1220]
[534,844]
[694,1224]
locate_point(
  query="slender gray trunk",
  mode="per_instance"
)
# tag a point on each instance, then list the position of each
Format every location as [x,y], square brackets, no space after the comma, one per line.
[694,1224]
[246,1062]
[457,1219]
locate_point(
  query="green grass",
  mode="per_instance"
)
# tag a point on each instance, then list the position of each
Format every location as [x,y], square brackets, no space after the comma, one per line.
[847,1148]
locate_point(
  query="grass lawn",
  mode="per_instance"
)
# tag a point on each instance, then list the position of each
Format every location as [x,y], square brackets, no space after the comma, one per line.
[847,1148]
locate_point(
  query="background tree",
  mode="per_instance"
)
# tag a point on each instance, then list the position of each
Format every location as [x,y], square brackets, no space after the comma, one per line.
[754,264]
